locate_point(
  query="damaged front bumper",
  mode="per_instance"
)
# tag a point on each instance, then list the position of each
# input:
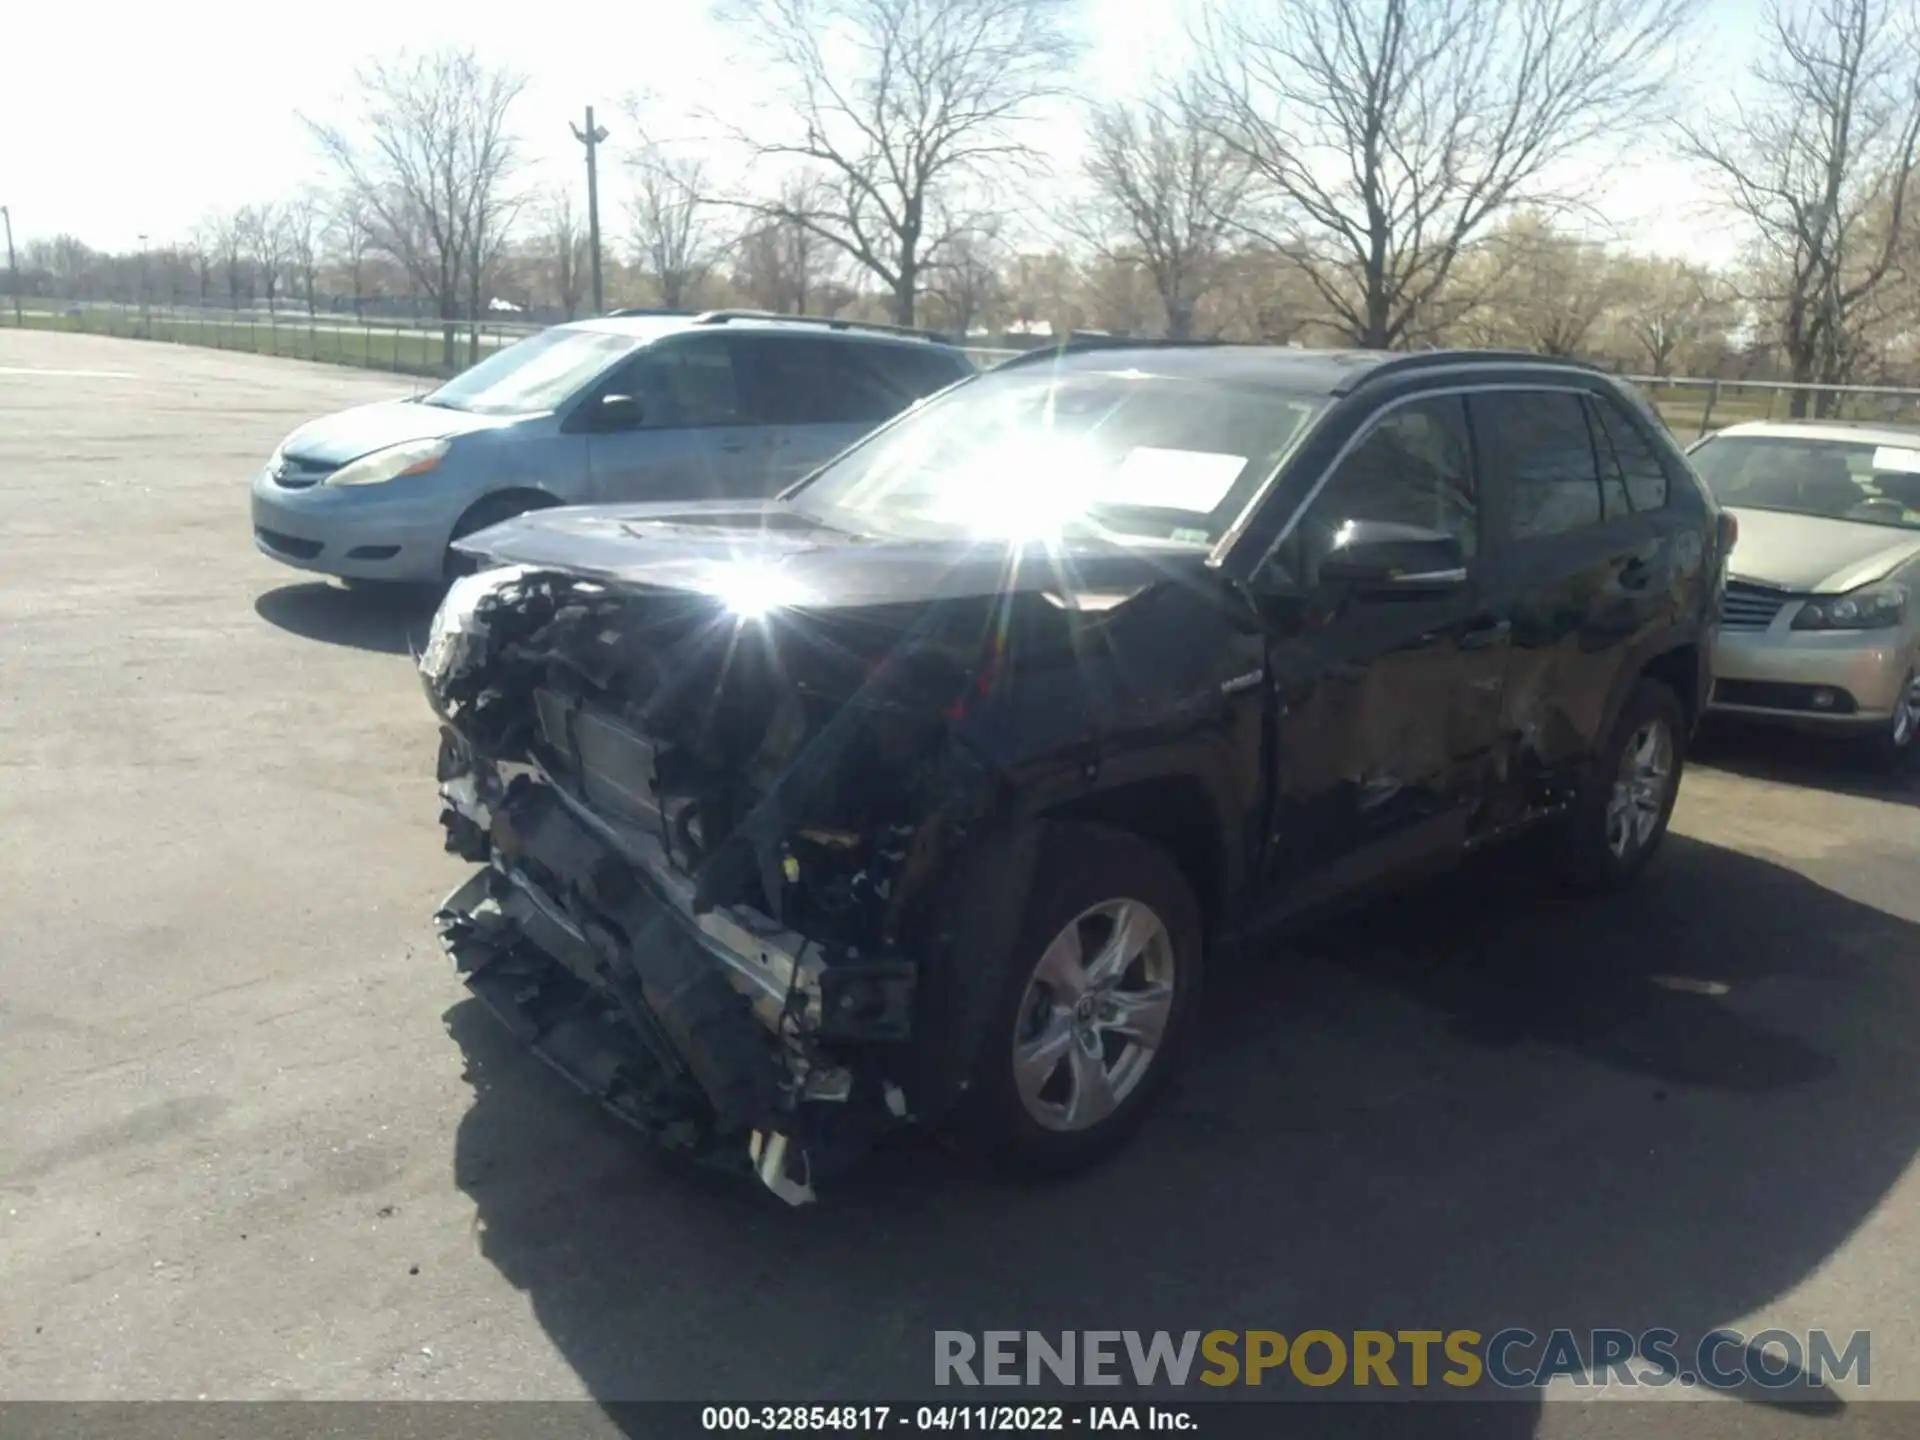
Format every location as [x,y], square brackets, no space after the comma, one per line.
[718,1033]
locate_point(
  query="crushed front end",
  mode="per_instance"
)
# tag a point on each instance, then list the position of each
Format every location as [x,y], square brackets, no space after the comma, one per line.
[698,836]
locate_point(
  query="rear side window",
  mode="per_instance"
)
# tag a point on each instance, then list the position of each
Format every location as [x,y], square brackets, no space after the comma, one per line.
[1628,457]
[807,380]
[1549,449]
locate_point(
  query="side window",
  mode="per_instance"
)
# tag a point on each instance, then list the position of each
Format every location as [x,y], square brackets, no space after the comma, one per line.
[1545,438]
[781,379]
[1613,481]
[862,383]
[1644,477]
[684,383]
[1414,466]
[919,370]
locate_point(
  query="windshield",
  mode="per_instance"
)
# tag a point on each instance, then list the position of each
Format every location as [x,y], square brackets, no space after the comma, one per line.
[1027,452]
[537,373]
[1834,479]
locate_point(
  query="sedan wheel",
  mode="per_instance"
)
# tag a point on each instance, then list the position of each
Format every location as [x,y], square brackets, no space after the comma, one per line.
[1094,1016]
[1906,714]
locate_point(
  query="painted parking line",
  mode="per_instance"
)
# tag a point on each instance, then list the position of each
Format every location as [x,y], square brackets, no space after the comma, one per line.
[68,374]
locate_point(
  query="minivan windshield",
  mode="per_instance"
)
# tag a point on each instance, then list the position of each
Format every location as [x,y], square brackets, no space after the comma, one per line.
[1834,479]
[535,374]
[1026,452]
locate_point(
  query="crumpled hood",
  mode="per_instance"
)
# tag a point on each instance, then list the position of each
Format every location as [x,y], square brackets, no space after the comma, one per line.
[336,439]
[1809,554]
[766,554]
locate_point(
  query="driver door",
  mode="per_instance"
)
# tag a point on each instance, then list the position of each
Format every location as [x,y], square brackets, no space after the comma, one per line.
[1388,702]
[693,439]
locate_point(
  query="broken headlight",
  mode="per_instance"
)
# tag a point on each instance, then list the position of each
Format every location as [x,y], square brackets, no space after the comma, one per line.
[458,616]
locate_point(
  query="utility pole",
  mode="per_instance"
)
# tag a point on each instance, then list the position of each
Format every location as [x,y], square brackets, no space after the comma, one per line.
[146,317]
[13,270]
[591,138]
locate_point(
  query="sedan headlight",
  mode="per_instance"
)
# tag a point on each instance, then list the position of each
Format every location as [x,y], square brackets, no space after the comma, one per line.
[1872,607]
[410,457]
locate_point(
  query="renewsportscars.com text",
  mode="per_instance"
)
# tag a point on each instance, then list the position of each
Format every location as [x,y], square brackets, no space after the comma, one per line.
[1511,1359]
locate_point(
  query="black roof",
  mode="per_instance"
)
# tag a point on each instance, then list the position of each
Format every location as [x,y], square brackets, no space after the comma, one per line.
[1320,372]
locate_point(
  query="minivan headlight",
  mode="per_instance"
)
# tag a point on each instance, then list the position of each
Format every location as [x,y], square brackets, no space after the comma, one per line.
[410,457]
[1871,607]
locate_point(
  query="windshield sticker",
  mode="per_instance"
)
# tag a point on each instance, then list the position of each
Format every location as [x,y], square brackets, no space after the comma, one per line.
[1896,460]
[1192,480]
[1184,536]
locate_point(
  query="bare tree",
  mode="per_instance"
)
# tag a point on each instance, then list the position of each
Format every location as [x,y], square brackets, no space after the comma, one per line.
[203,250]
[1384,135]
[433,162]
[672,234]
[349,235]
[263,232]
[1820,164]
[302,220]
[1531,286]
[966,280]
[897,108]
[564,250]
[1167,195]
[1673,311]
[781,262]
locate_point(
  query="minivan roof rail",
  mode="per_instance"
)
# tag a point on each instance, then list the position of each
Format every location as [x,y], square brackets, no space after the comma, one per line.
[829,322]
[627,312]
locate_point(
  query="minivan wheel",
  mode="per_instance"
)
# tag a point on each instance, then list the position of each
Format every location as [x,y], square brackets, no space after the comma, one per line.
[1095,1000]
[1622,811]
[488,511]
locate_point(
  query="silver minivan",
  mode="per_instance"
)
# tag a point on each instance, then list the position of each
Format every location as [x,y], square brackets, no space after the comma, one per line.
[724,405]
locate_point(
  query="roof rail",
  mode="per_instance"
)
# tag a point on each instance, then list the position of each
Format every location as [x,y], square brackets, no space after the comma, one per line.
[1080,344]
[830,322]
[1397,364]
[627,312]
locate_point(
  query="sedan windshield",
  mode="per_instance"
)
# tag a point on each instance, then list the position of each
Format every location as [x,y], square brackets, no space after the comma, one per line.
[1027,452]
[1833,479]
[536,374]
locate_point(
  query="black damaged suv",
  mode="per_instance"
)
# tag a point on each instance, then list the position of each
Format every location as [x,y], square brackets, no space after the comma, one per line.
[921,792]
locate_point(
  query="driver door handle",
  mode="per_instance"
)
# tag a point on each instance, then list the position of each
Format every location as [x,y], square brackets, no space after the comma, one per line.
[733,447]
[1486,635]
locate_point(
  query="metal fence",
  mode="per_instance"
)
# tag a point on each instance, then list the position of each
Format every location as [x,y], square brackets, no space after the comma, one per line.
[1692,406]
[403,347]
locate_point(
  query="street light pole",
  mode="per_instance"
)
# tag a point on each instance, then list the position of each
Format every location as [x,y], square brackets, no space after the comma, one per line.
[13,270]
[146,318]
[591,138]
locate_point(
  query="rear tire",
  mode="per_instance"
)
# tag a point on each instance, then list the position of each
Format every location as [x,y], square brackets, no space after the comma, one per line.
[484,513]
[1095,999]
[1621,814]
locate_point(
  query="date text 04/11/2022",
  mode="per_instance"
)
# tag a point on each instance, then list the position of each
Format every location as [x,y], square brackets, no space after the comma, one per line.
[982,1418]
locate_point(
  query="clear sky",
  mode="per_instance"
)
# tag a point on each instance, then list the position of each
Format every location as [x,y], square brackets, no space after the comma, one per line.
[162,113]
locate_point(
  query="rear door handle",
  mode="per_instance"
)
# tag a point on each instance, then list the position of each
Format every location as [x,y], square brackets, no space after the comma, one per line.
[733,447]
[1484,636]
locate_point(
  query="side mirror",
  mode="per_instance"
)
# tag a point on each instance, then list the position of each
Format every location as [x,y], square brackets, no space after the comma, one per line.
[618,412]
[1381,558]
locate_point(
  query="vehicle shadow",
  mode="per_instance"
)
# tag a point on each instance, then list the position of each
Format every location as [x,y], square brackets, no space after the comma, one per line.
[1788,757]
[391,619]
[1481,1106]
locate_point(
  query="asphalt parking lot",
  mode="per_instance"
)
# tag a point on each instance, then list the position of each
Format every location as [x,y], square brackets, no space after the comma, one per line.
[254,1141]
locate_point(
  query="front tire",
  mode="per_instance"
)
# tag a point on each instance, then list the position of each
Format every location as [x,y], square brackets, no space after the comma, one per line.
[484,513]
[1894,747]
[1621,815]
[1096,998]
